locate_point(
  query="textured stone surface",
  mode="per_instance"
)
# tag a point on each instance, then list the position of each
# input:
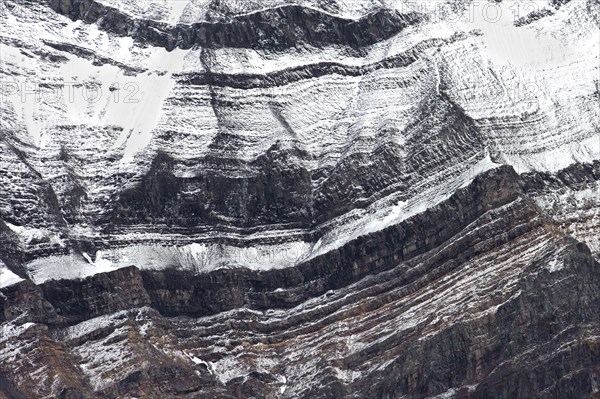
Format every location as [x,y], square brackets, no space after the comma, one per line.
[299,199]
[498,302]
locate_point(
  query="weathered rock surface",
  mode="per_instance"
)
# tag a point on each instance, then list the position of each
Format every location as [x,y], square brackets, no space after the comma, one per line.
[497,302]
[299,199]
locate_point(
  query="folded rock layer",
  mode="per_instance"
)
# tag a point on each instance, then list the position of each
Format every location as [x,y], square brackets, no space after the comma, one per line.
[299,199]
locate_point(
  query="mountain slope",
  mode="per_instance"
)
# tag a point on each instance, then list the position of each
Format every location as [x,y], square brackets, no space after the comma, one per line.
[299,199]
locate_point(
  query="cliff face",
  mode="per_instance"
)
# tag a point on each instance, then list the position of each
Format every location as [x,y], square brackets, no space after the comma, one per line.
[497,302]
[301,199]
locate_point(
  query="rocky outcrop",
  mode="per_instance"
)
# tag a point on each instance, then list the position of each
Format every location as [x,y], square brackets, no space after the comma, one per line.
[260,29]
[571,198]
[299,199]
[255,142]
[497,303]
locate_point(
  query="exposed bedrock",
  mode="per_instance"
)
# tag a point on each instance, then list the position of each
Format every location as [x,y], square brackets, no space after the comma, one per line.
[278,187]
[373,253]
[260,29]
[299,199]
[494,303]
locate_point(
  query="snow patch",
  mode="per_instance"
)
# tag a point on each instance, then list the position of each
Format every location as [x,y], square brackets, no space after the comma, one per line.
[7,277]
[283,382]
[556,264]
[102,265]
[70,266]
[196,360]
